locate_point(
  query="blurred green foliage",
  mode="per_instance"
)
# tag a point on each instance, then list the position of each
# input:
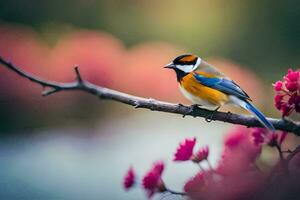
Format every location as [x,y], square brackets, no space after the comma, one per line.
[263,35]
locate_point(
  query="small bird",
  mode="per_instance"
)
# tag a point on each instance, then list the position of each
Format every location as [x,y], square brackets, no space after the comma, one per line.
[204,85]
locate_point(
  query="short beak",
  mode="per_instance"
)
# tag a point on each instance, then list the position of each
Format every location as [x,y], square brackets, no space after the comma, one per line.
[170,66]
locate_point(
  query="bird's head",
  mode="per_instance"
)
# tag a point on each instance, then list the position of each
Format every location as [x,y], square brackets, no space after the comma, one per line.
[184,63]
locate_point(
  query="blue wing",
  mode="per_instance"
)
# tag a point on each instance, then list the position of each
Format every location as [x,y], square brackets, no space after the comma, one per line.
[222,84]
[231,88]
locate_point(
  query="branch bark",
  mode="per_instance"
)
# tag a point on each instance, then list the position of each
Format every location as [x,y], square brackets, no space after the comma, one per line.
[147,103]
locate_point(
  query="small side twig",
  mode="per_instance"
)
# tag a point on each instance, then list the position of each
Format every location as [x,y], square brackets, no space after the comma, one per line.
[278,147]
[209,165]
[293,153]
[175,192]
[281,170]
[78,75]
[50,91]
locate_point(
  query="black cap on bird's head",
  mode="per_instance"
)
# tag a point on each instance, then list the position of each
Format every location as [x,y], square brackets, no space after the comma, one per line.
[185,63]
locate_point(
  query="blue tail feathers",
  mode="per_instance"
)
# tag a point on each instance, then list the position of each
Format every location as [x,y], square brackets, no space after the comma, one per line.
[259,115]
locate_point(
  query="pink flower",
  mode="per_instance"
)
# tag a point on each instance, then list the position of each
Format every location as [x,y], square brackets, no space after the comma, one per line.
[201,154]
[185,150]
[278,101]
[292,76]
[287,98]
[152,181]
[278,86]
[129,179]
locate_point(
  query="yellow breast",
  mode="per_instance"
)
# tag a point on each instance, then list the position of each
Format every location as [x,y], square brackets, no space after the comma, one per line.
[197,91]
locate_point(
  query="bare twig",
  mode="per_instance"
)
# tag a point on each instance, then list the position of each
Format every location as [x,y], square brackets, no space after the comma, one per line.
[209,165]
[293,153]
[278,147]
[155,105]
[281,169]
[78,76]
[175,192]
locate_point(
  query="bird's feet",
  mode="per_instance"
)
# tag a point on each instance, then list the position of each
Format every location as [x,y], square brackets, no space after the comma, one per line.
[209,117]
[179,105]
[193,108]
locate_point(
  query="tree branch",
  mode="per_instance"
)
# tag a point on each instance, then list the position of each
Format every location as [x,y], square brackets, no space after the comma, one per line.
[154,105]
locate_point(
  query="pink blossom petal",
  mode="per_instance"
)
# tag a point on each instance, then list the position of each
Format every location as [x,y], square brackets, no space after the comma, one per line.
[185,150]
[292,75]
[291,86]
[294,99]
[278,86]
[152,181]
[278,101]
[201,154]
[129,179]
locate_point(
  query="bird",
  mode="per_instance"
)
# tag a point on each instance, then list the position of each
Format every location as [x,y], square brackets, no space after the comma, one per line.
[204,85]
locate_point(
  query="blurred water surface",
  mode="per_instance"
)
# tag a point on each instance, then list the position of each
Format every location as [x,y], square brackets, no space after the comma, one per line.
[66,164]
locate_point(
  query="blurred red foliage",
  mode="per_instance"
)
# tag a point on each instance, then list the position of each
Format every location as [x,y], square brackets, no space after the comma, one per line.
[102,59]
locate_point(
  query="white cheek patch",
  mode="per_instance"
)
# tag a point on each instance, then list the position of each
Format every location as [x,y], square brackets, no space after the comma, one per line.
[186,68]
[199,60]
[189,68]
